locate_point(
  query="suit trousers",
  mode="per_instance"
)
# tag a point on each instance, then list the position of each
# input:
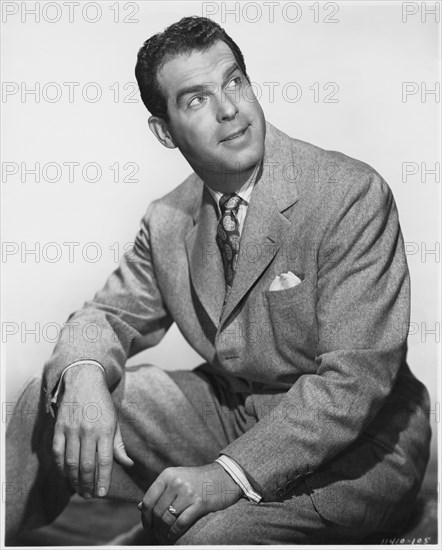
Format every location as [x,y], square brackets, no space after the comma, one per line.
[167,418]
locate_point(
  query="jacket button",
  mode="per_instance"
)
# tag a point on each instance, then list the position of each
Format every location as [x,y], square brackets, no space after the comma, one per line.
[292,483]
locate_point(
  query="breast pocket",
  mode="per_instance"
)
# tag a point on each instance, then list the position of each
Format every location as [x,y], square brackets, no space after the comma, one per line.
[279,298]
[292,314]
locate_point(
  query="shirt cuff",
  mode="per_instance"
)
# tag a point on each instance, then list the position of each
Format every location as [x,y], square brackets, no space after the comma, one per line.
[236,472]
[58,386]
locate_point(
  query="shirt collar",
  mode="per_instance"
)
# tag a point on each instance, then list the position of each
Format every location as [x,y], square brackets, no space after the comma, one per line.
[245,191]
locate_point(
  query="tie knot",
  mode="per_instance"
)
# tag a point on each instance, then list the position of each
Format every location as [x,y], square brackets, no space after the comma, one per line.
[229,201]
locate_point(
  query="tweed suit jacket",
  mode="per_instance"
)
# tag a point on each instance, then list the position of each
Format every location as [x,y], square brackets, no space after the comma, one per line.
[325,360]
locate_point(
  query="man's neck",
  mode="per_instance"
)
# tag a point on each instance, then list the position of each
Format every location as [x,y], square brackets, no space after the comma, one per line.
[227,182]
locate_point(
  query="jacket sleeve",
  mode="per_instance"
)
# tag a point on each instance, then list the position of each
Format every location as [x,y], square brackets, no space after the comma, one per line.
[125,317]
[363,316]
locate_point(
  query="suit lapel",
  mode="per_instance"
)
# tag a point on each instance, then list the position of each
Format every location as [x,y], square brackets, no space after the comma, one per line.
[205,263]
[265,226]
[264,231]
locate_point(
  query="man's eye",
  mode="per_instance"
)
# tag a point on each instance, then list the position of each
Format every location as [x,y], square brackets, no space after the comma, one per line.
[197,101]
[234,82]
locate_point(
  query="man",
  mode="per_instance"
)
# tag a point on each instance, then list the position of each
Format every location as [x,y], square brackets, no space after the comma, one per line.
[283,266]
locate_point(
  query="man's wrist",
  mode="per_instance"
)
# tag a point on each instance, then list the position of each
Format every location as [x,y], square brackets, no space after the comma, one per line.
[84,368]
[230,486]
[233,469]
[66,379]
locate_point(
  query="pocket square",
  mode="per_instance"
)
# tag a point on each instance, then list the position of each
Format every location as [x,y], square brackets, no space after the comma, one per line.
[284,281]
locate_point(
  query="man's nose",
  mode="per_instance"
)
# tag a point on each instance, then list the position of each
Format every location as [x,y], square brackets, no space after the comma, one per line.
[227,108]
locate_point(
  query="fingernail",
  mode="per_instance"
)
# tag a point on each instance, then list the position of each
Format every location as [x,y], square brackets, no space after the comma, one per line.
[101,492]
[87,495]
[139,505]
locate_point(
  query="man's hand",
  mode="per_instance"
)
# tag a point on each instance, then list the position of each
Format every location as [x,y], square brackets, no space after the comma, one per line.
[87,436]
[192,492]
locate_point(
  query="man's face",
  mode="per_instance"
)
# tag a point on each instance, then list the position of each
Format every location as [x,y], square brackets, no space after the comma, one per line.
[210,100]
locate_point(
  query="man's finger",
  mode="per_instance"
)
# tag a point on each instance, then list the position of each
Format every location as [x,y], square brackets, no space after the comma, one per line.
[104,460]
[72,460]
[58,450]
[162,518]
[87,466]
[120,454]
[185,520]
[150,499]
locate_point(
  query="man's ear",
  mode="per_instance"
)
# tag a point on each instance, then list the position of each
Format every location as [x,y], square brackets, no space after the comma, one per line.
[160,129]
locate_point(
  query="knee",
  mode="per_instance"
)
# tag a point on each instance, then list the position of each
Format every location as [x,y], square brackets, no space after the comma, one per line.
[211,530]
[24,412]
[197,536]
[31,390]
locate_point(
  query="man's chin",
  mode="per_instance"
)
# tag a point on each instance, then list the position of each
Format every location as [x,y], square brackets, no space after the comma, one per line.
[243,160]
[249,160]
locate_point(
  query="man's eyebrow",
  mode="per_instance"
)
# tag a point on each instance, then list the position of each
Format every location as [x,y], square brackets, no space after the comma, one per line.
[230,71]
[202,87]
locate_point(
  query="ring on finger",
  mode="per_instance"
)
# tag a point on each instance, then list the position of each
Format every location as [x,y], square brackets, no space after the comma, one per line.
[173,511]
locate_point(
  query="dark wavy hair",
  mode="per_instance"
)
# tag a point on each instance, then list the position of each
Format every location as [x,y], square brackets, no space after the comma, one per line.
[183,37]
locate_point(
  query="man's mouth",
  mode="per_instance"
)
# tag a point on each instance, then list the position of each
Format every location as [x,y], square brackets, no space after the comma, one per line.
[235,135]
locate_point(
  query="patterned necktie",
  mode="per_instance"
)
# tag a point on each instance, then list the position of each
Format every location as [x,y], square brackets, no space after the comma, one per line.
[228,236]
